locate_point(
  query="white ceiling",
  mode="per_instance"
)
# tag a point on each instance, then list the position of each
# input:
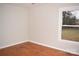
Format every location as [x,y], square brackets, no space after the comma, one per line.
[33,4]
[20,4]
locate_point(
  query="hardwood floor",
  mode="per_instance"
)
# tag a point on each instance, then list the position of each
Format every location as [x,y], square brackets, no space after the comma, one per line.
[32,49]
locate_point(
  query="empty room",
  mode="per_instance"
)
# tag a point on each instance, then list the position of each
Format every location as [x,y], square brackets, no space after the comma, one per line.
[39,29]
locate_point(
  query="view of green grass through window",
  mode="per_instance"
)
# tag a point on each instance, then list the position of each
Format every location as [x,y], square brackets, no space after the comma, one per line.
[70,25]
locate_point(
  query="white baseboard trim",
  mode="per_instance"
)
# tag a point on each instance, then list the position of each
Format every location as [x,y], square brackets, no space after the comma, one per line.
[55,48]
[39,44]
[13,44]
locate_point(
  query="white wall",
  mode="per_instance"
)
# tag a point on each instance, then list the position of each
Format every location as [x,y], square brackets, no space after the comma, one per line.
[14,23]
[37,23]
[44,26]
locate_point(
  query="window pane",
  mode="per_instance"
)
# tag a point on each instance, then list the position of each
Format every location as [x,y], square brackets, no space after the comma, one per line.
[70,25]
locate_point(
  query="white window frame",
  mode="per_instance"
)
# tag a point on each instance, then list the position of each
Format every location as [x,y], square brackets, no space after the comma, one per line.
[60,22]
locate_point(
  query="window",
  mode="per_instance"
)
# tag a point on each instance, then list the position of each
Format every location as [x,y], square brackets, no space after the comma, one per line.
[70,25]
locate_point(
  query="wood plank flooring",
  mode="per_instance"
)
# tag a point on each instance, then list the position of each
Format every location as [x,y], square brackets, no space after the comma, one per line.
[32,49]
